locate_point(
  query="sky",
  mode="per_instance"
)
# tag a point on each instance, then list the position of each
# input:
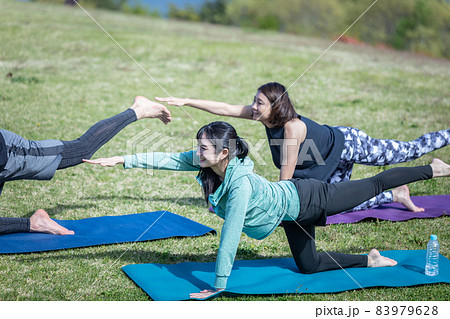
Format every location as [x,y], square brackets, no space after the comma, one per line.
[163,5]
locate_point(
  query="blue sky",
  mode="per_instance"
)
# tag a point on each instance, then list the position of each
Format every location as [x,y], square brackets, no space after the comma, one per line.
[163,5]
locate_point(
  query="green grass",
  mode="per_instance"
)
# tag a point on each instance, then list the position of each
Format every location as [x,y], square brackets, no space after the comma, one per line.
[66,74]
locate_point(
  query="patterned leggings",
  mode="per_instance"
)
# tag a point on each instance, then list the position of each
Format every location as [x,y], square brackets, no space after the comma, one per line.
[359,148]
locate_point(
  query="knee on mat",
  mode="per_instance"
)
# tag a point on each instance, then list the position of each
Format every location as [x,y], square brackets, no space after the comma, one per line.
[306,268]
[307,271]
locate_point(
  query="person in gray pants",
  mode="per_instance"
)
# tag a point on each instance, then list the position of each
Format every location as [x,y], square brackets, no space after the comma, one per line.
[39,160]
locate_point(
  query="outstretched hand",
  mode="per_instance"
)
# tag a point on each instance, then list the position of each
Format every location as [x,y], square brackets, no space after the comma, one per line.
[175,101]
[204,294]
[107,162]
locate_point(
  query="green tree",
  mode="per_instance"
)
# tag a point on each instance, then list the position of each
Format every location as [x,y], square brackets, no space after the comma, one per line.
[320,18]
[189,13]
[214,11]
[104,4]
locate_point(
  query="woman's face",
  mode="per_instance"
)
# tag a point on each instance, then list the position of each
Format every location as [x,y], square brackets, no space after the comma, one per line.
[207,153]
[261,107]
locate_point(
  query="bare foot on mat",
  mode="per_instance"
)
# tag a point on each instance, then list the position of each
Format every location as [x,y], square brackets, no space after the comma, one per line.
[401,196]
[40,222]
[376,260]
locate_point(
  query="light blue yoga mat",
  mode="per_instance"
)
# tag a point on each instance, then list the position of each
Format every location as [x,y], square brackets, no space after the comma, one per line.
[280,276]
[105,230]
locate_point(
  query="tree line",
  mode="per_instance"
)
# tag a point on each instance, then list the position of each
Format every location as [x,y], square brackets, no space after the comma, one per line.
[413,25]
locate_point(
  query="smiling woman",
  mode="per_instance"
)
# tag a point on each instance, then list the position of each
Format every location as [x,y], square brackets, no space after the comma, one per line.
[251,204]
[302,148]
[216,142]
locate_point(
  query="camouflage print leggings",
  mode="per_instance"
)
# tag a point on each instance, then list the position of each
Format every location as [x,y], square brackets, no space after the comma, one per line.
[359,148]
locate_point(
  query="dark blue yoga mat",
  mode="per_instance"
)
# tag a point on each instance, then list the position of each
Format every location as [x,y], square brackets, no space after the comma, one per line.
[105,230]
[280,276]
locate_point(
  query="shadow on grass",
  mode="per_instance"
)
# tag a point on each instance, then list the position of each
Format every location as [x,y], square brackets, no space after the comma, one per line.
[61,208]
[195,201]
[129,255]
[126,253]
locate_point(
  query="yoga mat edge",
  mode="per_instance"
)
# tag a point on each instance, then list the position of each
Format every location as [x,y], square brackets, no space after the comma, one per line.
[435,206]
[106,230]
[263,277]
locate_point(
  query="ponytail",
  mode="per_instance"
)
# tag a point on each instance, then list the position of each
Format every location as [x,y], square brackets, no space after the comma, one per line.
[241,148]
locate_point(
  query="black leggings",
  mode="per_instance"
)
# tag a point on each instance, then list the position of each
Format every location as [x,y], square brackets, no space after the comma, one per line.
[342,196]
[98,135]
[14,225]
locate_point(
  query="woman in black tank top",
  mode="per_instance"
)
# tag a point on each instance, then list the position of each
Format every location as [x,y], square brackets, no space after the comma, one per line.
[302,148]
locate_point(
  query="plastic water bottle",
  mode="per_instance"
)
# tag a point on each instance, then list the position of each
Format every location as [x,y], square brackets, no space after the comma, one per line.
[432,265]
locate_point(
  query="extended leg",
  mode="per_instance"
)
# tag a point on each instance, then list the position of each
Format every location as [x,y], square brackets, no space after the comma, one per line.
[98,135]
[27,159]
[360,148]
[363,149]
[351,193]
[344,172]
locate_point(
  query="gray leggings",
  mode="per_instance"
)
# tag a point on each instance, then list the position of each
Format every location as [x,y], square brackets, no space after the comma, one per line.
[72,154]
[319,200]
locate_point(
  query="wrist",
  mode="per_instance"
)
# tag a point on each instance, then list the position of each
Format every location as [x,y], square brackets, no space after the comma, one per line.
[221,282]
[120,160]
[187,101]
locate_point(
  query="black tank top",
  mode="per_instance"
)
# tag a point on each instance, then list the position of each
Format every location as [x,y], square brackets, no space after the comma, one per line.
[319,154]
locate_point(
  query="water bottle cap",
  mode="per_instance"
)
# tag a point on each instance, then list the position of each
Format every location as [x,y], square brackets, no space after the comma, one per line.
[433,237]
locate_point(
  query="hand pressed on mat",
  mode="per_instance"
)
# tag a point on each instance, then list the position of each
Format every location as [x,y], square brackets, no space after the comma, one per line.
[204,293]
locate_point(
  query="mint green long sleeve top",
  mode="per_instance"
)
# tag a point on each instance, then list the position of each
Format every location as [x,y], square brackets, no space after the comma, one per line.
[246,201]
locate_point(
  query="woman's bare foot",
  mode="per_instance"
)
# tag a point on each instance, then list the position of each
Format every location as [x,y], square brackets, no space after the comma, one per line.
[145,108]
[40,222]
[401,195]
[440,169]
[376,260]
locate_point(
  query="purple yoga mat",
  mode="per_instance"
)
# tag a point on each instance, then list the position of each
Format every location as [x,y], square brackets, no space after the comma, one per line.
[435,206]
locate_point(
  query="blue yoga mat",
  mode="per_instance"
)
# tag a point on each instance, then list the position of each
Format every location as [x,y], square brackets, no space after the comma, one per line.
[105,230]
[280,276]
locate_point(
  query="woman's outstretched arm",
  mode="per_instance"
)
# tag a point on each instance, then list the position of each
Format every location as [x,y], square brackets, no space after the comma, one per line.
[186,161]
[218,108]
[107,162]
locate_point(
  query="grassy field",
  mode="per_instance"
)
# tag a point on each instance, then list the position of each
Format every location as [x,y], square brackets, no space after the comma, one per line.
[65,74]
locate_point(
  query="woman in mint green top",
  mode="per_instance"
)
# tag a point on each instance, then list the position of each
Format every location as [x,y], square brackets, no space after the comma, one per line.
[249,203]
